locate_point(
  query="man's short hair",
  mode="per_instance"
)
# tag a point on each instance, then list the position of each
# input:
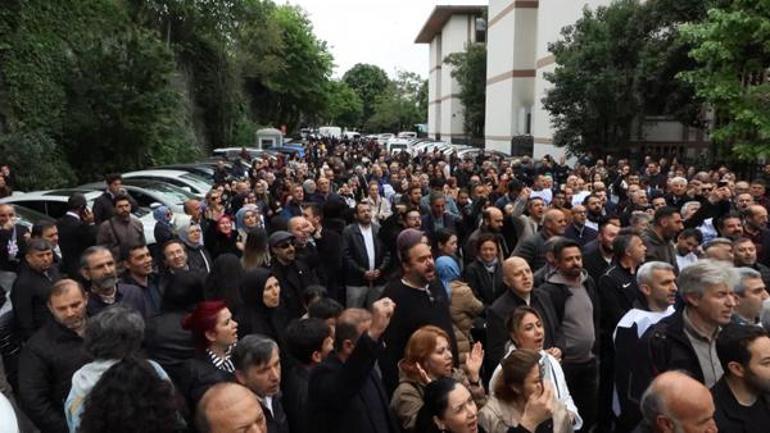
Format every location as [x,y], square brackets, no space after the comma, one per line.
[170,242]
[733,344]
[663,213]
[691,233]
[77,202]
[306,336]
[435,196]
[127,250]
[112,177]
[705,272]
[719,223]
[90,251]
[562,245]
[38,245]
[115,333]
[62,286]
[39,228]
[253,350]
[717,241]
[314,208]
[744,274]
[623,241]
[325,308]
[122,197]
[347,326]
[644,273]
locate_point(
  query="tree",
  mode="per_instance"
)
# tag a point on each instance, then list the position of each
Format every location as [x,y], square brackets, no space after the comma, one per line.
[733,55]
[469,68]
[344,107]
[369,82]
[593,102]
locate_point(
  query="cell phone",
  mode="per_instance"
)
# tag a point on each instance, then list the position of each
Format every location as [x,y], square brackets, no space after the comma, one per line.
[721,183]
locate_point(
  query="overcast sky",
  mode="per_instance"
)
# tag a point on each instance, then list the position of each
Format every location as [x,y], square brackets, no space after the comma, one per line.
[380,32]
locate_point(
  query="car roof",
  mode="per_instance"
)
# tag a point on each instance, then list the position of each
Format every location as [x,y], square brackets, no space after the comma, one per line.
[51,195]
[156,172]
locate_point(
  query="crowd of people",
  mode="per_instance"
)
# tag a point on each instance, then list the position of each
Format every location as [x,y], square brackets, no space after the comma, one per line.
[352,290]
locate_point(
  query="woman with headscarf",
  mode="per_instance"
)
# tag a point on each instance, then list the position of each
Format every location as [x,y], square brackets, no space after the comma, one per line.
[164,227]
[198,258]
[256,253]
[224,281]
[464,307]
[221,238]
[246,219]
[262,311]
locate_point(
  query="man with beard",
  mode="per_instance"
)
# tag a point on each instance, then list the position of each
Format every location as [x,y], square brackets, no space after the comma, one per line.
[366,259]
[576,302]
[667,223]
[598,254]
[687,241]
[121,230]
[420,300]
[51,356]
[304,244]
[258,367]
[741,396]
[492,222]
[578,230]
[104,205]
[745,255]
[595,211]
[98,267]
[327,242]
[755,228]
[30,290]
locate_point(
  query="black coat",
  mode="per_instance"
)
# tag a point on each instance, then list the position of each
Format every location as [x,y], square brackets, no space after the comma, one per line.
[332,261]
[497,332]
[414,309]
[618,291]
[295,398]
[732,417]
[594,263]
[74,237]
[277,422]
[349,396]
[294,279]
[198,375]
[199,260]
[30,298]
[46,365]
[167,343]
[665,347]
[486,286]
[357,259]
[559,294]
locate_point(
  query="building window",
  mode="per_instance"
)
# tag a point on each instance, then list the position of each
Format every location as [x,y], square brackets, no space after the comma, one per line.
[481,30]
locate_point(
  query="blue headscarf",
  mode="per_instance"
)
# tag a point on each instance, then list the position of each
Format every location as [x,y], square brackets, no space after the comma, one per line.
[162,215]
[241,215]
[448,270]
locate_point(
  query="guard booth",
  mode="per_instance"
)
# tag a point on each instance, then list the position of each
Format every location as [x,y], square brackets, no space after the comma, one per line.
[269,138]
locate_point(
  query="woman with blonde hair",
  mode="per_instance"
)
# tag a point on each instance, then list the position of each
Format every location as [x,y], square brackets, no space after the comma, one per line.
[428,357]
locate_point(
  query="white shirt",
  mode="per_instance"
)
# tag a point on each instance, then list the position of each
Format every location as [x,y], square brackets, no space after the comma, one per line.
[369,242]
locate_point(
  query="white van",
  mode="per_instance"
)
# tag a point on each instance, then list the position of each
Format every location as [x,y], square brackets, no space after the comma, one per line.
[330,131]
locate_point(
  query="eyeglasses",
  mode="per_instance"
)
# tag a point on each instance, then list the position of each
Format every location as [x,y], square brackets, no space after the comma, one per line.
[284,245]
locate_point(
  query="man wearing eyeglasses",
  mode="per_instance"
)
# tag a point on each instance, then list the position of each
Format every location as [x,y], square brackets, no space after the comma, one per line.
[293,274]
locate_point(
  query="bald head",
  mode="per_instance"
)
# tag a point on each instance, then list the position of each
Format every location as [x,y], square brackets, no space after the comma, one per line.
[229,408]
[675,401]
[554,222]
[493,217]
[517,275]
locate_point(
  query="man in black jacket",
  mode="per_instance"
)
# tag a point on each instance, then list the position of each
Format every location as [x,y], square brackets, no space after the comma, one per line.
[51,356]
[31,288]
[518,280]
[576,302]
[346,393]
[77,232]
[327,243]
[104,205]
[686,340]
[293,275]
[309,342]
[421,300]
[258,367]
[366,259]
[742,396]
[597,254]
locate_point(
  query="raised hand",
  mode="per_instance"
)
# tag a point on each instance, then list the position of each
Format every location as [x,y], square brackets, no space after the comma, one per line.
[473,361]
[382,311]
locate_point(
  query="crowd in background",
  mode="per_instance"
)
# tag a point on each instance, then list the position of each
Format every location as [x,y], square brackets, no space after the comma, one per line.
[352,290]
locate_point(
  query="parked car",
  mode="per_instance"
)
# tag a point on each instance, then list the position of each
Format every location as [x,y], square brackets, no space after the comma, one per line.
[190,181]
[28,217]
[53,203]
[150,194]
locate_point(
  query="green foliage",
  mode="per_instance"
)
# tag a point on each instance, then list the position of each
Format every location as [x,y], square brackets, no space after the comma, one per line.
[398,107]
[369,82]
[469,68]
[592,102]
[733,55]
[344,107]
[39,161]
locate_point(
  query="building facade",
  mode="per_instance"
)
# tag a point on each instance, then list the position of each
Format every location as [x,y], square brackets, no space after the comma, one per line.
[449,29]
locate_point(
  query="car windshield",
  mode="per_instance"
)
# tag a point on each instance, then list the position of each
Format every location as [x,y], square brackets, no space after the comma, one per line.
[198,181]
[170,193]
